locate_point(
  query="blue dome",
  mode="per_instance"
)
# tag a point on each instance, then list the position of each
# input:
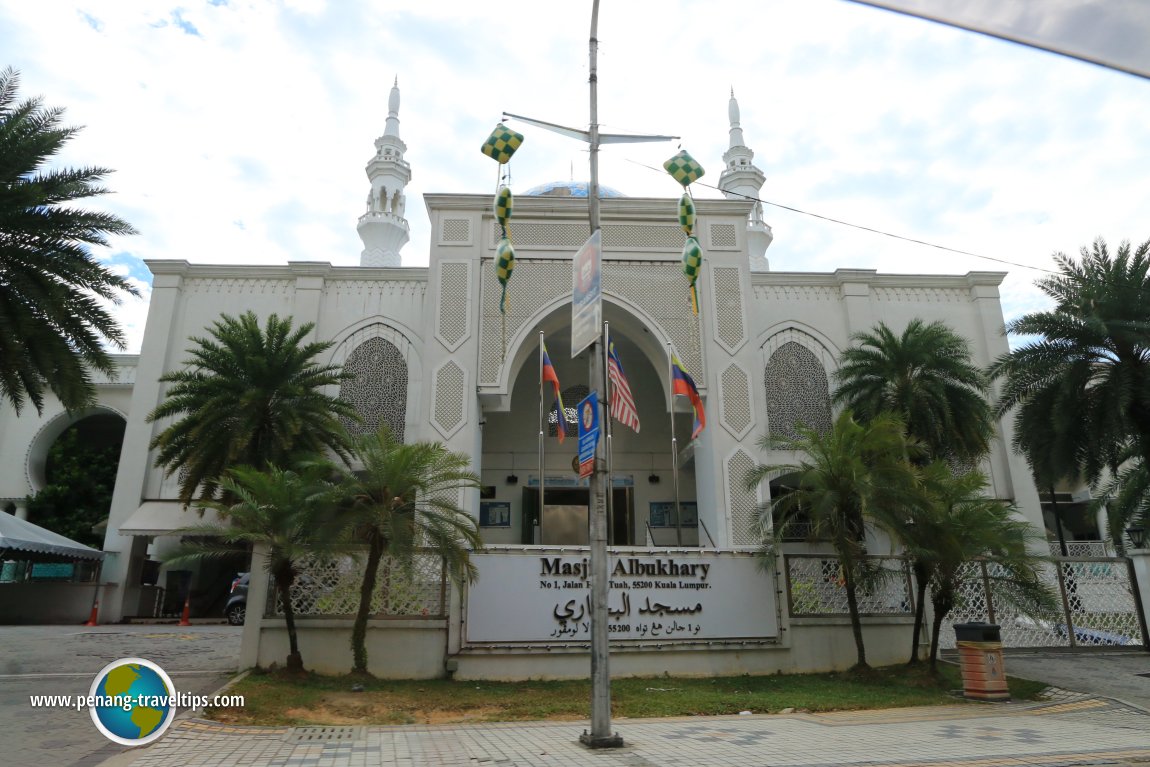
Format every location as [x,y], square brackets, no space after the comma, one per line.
[569,189]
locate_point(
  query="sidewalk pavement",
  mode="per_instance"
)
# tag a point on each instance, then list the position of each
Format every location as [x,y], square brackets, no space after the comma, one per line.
[1068,729]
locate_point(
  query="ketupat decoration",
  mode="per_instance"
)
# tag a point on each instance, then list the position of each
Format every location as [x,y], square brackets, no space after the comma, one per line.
[501,144]
[503,206]
[504,252]
[692,264]
[504,265]
[684,169]
[687,213]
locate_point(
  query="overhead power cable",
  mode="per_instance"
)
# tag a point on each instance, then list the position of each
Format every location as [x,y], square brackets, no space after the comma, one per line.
[752,198]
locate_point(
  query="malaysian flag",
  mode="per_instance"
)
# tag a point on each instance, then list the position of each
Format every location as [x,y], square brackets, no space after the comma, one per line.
[622,402]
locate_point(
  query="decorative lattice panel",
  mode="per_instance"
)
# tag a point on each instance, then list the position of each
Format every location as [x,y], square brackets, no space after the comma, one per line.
[728,297]
[331,586]
[378,388]
[456,230]
[1082,549]
[723,236]
[450,387]
[536,234]
[743,503]
[645,237]
[551,234]
[1100,598]
[451,325]
[1096,598]
[815,586]
[735,390]
[658,288]
[798,392]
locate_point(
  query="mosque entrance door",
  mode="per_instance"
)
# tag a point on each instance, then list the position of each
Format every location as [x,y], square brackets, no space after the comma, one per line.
[564,518]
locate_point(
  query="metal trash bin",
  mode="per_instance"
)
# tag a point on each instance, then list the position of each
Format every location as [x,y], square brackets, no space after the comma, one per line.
[980,656]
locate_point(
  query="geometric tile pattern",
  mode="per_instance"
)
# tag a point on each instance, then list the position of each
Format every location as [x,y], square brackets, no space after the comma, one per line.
[742,503]
[728,299]
[456,230]
[997,735]
[735,391]
[450,393]
[377,389]
[452,319]
[798,392]
[723,236]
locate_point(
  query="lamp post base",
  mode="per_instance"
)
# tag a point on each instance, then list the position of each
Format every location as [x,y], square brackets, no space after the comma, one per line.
[607,741]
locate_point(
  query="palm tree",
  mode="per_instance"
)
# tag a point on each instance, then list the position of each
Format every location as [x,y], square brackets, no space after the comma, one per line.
[925,376]
[1125,497]
[405,497]
[1082,388]
[248,396]
[293,514]
[962,524]
[54,323]
[843,479]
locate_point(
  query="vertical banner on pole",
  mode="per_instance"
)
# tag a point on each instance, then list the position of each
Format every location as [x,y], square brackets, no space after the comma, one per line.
[586,294]
[588,433]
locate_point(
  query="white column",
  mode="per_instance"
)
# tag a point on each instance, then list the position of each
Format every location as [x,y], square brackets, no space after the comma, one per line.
[135,458]
[258,585]
[21,509]
[1141,561]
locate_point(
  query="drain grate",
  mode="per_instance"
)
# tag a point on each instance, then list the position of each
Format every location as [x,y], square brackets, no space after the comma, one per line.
[322,734]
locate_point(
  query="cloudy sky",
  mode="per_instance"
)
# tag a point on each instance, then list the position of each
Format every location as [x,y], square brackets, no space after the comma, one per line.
[239,128]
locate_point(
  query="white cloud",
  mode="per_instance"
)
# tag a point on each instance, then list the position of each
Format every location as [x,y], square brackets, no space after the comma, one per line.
[267,115]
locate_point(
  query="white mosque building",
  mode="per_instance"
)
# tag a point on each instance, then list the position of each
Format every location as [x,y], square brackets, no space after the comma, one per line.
[434,358]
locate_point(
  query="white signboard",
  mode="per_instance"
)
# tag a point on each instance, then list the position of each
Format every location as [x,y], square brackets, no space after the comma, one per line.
[586,294]
[542,596]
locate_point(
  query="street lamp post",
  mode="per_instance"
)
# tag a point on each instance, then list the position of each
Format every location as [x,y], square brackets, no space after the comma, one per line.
[600,735]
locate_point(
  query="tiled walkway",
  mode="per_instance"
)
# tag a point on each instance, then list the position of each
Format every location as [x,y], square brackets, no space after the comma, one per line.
[1066,730]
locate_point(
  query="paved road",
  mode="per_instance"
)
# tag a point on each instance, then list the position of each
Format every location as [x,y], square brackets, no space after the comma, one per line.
[1113,674]
[63,660]
[1070,730]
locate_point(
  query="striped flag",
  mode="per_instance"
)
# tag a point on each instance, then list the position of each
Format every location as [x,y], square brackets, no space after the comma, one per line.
[622,402]
[682,383]
[548,374]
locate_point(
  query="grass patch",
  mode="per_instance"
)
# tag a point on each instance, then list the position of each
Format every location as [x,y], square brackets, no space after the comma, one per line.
[275,699]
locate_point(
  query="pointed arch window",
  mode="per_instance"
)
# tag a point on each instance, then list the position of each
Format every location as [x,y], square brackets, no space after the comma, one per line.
[378,387]
[798,391]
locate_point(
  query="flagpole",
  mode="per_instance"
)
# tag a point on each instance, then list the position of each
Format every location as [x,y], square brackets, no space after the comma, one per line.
[608,432]
[542,428]
[674,445]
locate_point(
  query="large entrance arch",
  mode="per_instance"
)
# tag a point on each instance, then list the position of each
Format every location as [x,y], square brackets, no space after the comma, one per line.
[642,497]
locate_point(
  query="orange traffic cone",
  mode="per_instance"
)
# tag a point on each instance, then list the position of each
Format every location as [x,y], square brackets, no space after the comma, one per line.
[184,618]
[93,618]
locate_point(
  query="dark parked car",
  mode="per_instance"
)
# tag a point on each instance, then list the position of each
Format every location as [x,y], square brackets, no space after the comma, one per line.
[237,606]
